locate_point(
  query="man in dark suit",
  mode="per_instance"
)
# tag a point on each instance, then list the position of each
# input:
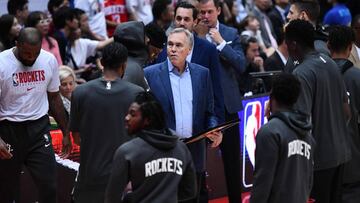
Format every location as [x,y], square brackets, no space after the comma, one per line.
[184,91]
[203,53]
[277,15]
[278,60]
[232,62]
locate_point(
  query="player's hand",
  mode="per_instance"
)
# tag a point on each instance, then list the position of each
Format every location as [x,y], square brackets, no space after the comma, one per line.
[201,28]
[216,36]
[215,137]
[4,150]
[66,146]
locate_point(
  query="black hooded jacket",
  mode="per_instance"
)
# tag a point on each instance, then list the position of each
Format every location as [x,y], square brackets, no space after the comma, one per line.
[283,160]
[159,167]
[132,36]
[351,75]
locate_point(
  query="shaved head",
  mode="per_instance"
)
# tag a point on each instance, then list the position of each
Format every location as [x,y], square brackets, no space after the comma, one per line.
[30,36]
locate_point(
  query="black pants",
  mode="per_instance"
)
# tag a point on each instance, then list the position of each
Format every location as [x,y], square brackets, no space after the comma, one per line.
[230,151]
[351,192]
[327,185]
[31,146]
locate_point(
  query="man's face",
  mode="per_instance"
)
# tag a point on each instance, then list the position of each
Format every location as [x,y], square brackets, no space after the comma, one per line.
[294,13]
[178,47]
[184,18]
[252,51]
[356,28]
[153,52]
[133,120]
[209,13]
[27,53]
[263,4]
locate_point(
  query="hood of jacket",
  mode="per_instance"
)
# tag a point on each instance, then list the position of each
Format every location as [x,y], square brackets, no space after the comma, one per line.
[297,121]
[164,139]
[132,36]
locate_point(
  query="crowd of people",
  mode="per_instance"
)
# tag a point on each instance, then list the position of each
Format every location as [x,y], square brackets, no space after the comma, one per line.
[131,80]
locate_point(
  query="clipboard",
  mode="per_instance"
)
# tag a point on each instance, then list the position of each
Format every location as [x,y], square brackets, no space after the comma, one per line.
[220,127]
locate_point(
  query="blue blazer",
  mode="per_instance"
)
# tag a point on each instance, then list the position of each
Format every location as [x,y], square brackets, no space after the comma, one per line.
[232,60]
[205,54]
[203,103]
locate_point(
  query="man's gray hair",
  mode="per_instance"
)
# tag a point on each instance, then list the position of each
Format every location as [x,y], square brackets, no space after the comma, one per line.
[189,35]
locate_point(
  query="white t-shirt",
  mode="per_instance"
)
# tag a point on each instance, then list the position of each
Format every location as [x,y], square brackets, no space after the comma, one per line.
[95,11]
[142,9]
[82,49]
[23,90]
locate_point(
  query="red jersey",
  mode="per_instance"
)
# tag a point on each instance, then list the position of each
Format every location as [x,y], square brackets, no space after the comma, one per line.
[115,10]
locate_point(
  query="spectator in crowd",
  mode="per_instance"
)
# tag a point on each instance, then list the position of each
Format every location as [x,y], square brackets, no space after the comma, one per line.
[79,51]
[98,109]
[283,173]
[84,26]
[140,10]
[95,11]
[339,14]
[250,26]
[38,20]
[29,89]
[65,23]
[202,53]
[323,97]
[254,61]
[175,178]
[232,62]
[355,51]
[184,91]
[277,15]
[163,12]
[115,13]
[157,41]
[340,43]
[266,26]
[132,36]
[67,86]
[278,60]
[19,9]
[54,5]
[10,30]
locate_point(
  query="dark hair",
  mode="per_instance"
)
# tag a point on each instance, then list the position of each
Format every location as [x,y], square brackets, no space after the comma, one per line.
[340,38]
[78,12]
[113,55]
[216,2]
[62,15]
[310,7]
[245,41]
[159,7]
[156,35]
[355,20]
[300,31]
[280,36]
[29,35]
[6,22]
[33,19]
[285,89]
[16,5]
[54,3]
[151,109]
[187,5]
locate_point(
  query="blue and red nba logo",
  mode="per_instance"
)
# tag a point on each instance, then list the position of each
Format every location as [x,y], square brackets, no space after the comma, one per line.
[15,79]
[252,123]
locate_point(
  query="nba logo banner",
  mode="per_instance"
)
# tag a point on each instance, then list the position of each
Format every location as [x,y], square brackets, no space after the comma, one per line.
[252,118]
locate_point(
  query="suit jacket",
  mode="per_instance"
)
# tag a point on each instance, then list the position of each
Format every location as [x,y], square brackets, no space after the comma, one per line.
[261,17]
[276,20]
[354,57]
[232,61]
[205,54]
[203,103]
[274,63]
